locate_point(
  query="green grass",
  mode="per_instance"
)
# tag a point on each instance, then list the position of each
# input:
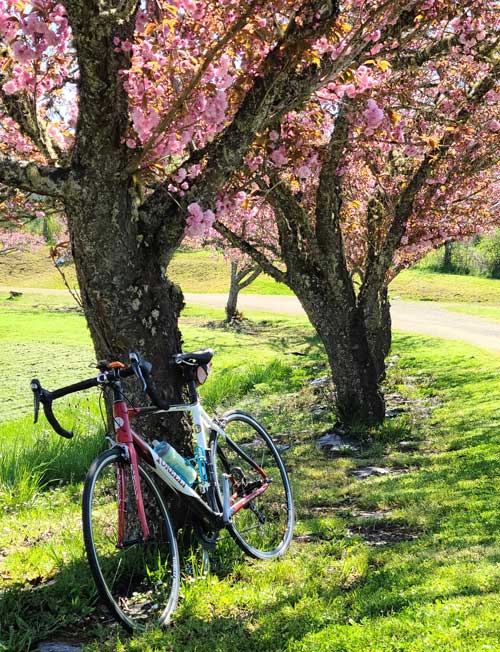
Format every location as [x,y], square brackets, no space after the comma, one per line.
[195,271]
[428,286]
[434,587]
[488,312]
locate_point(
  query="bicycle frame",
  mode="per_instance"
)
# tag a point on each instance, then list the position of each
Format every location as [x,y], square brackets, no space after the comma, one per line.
[136,447]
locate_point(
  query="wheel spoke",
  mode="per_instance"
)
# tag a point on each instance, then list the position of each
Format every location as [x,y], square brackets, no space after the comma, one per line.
[263,528]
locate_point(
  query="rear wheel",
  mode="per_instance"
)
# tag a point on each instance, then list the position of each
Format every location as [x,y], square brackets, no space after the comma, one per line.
[264,527]
[138,580]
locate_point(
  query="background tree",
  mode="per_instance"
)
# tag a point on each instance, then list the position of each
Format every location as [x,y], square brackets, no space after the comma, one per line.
[242,275]
[390,160]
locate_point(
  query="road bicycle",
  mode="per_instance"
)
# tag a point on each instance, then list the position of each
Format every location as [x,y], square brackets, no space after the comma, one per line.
[241,485]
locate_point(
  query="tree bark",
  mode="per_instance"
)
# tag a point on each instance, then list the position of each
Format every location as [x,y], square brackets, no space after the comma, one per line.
[232,299]
[241,277]
[341,326]
[127,299]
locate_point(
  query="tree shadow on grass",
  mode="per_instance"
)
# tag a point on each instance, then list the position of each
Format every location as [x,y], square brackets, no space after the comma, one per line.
[29,614]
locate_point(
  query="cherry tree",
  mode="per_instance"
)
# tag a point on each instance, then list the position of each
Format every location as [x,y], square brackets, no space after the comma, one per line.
[142,120]
[253,222]
[390,159]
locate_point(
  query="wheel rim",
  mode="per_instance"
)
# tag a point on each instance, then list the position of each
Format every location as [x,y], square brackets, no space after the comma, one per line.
[139,580]
[264,528]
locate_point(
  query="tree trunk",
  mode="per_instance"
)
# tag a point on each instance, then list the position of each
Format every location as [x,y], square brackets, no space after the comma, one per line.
[377,318]
[128,301]
[447,261]
[234,289]
[341,326]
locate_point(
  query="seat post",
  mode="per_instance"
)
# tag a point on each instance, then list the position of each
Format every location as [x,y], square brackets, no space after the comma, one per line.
[193,392]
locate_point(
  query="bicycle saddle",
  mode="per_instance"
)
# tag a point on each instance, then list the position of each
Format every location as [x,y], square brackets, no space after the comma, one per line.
[195,357]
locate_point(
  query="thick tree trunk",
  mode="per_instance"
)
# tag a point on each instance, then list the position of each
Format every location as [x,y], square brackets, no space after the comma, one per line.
[128,301]
[342,329]
[234,289]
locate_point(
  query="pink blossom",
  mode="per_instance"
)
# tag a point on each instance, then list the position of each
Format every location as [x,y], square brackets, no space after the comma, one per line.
[304,172]
[494,125]
[22,52]
[10,87]
[349,90]
[373,115]
[199,222]
[194,171]
[180,175]
[279,157]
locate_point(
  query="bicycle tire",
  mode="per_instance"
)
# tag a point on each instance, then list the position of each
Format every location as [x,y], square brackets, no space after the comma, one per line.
[138,582]
[263,528]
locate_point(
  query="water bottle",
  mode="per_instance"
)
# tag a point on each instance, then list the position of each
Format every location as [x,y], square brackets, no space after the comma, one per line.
[176,461]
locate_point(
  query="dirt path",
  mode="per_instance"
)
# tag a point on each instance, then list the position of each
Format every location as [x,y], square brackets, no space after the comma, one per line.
[424,317]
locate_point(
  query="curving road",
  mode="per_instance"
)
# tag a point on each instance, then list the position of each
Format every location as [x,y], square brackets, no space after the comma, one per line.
[424,317]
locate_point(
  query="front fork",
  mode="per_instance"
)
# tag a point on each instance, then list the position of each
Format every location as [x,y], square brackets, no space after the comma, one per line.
[122,499]
[125,439]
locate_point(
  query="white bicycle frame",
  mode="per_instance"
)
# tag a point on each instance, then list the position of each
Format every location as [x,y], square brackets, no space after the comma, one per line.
[202,425]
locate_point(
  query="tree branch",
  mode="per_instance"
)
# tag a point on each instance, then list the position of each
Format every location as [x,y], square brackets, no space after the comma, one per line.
[21,108]
[251,273]
[419,57]
[251,251]
[293,216]
[376,272]
[30,177]
[329,193]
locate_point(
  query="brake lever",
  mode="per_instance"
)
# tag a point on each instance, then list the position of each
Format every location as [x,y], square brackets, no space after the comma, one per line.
[37,390]
[135,364]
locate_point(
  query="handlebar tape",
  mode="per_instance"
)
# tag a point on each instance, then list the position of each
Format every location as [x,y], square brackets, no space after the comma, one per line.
[45,397]
[47,408]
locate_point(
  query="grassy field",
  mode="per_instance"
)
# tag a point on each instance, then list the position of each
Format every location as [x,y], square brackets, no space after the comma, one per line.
[488,311]
[404,561]
[207,272]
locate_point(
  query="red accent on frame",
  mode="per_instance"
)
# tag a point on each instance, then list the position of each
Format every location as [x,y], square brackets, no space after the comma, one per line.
[142,449]
[247,499]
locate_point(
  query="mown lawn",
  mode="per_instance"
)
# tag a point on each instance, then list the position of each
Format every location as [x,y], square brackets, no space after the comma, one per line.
[488,312]
[403,561]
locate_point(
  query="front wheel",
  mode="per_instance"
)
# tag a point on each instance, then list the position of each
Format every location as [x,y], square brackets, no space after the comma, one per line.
[264,527]
[137,579]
